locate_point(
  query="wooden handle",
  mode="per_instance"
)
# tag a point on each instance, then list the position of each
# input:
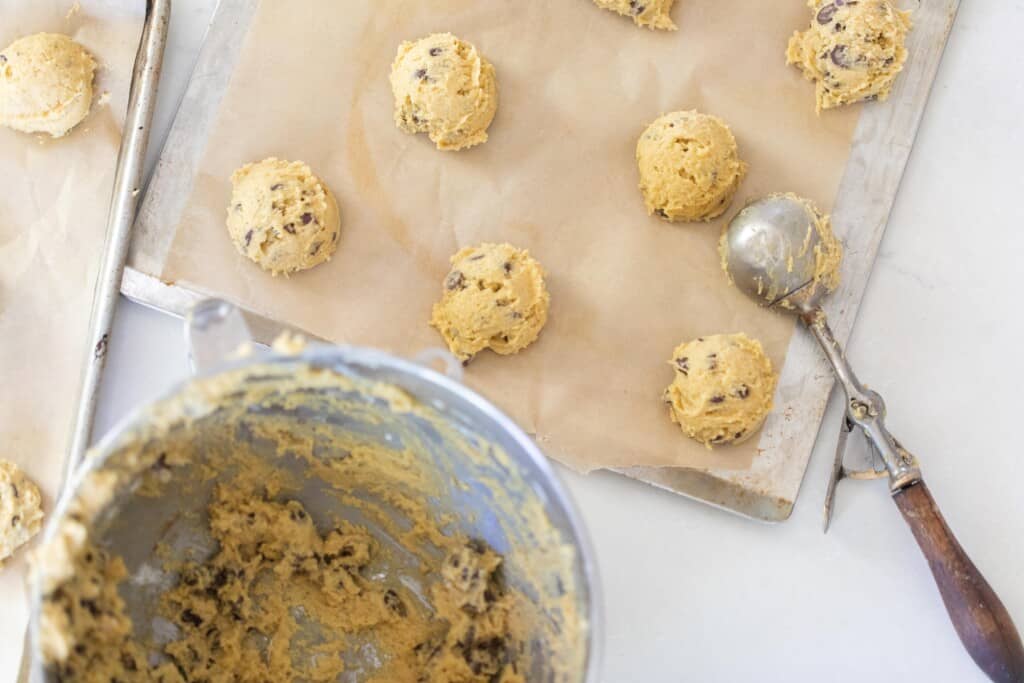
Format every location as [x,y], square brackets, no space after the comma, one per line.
[981,621]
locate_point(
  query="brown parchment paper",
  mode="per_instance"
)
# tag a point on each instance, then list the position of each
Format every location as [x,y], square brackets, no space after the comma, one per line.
[577,85]
[54,196]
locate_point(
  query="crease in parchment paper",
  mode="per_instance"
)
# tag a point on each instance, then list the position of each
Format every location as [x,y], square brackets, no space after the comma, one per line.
[577,85]
[53,212]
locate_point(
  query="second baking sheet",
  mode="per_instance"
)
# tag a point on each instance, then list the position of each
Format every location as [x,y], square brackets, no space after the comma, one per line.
[576,87]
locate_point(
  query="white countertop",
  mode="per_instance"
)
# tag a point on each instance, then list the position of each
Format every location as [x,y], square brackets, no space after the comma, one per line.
[696,594]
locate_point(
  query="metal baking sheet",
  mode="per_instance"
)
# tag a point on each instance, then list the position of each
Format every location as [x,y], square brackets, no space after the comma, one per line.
[879,153]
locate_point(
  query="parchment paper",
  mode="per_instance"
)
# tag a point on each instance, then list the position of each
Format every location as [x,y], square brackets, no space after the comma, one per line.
[577,85]
[53,211]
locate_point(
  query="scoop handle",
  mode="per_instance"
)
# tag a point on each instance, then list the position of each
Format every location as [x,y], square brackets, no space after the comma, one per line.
[979,617]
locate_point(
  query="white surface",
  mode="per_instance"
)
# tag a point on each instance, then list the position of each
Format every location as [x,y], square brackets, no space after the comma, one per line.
[696,594]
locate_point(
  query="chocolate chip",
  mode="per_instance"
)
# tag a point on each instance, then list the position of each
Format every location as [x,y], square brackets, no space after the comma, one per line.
[507,267]
[718,398]
[684,365]
[395,604]
[289,228]
[101,346]
[306,218]
[742,391]
[15,489]
[635,7]
[455,280]
[476,257]
[738,435]
[190,617]
[316,248]
[661,212]
[3,59]
[712,361]
[334,236]
[435,51]
[840,56]
[248,238]
[276,186]
[238,207]
[91,606]
[826,13]
[15,520]
[421,74]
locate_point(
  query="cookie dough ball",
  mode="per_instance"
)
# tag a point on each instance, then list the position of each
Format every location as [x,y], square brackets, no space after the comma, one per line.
[45,84]
[649,13]
[282,216]
[21,509]
[689,166]
[445,88]
[494,298]
[722,389]
[853,51]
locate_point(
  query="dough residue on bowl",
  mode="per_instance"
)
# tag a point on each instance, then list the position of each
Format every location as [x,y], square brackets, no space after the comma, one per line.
[253,583]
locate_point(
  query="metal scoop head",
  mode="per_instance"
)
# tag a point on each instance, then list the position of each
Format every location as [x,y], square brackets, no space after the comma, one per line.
[769,251]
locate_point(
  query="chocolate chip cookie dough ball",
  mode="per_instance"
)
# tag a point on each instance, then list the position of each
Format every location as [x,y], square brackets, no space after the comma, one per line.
[689,166]
[21,511]
[853,50]
[443,87]
[494,298]
[45,84]
[649,13]
[282,216]
[722,389]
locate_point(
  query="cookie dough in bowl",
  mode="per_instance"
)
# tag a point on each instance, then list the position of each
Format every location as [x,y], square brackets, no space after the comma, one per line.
[282,216]
[340,515]
[689,166]
[445,88]
[722,389]
[21,512]
[853,51]
[648,13]
[45,84]
[494,298]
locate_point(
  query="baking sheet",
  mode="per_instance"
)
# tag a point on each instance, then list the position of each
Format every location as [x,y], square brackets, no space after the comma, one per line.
[53,210]
[576,87]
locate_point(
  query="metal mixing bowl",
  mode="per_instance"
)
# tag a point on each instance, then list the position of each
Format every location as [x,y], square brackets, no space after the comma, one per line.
[463,459]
